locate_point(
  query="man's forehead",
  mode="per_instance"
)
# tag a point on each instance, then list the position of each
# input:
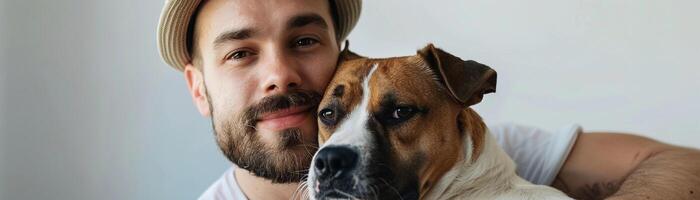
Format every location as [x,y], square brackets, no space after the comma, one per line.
[218,16]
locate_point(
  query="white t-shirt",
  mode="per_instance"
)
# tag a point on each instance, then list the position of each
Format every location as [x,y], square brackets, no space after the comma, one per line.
[539,155]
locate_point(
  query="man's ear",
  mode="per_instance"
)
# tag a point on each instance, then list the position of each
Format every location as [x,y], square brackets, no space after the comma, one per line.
[198,91]
[346,54]
[467,81]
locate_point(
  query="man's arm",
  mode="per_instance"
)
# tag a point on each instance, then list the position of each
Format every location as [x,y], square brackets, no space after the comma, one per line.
[622,166]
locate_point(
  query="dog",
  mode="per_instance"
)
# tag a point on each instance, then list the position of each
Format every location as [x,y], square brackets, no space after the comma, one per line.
[401,128]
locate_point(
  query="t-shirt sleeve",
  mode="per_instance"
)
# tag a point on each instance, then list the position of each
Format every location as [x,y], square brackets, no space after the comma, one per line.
[225,188]
[538,154]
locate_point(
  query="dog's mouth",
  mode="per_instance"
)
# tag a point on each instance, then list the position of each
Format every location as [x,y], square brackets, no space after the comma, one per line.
[346,186]
[362,188]
[337,194]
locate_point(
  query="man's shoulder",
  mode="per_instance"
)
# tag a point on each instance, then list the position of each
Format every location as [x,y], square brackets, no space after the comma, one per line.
[539,154]
[225,187]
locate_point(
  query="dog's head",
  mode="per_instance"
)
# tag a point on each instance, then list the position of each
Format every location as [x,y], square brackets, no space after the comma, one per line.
[390,128]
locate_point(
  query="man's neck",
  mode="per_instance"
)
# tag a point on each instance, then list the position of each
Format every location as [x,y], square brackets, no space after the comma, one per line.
[255,187]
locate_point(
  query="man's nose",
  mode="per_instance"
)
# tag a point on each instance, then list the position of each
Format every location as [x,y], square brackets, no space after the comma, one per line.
[335,162]
[281,74]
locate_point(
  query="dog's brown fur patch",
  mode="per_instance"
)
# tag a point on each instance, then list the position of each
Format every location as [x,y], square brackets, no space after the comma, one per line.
[432,142]
[350,74]
[433,139]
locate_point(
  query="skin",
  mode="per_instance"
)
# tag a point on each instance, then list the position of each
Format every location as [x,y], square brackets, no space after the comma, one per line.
[624,166]
[239,72]
[640,167]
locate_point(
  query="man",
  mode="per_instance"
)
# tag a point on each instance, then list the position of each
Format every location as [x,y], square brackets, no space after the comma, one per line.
[257,68]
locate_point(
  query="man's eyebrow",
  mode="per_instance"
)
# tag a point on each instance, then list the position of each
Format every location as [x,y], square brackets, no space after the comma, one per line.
[240,34]
[306,19]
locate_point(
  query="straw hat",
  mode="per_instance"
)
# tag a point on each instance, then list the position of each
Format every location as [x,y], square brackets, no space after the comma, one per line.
[175,21]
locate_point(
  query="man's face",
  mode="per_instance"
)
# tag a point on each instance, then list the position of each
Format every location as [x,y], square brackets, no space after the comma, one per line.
[264,66]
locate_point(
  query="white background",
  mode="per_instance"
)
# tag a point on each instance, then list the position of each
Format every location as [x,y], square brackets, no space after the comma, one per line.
[89,111]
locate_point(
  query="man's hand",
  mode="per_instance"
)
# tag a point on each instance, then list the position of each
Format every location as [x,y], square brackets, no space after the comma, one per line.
[622,166]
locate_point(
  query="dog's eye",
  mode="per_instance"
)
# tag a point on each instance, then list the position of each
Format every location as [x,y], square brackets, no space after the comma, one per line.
[403,113]
[393,115]
[327,113]
[327,116]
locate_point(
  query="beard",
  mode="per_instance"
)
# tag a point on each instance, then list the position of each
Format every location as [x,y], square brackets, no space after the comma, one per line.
[286,161]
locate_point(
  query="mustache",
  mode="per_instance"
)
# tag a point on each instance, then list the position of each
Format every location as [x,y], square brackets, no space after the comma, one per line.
[278,102]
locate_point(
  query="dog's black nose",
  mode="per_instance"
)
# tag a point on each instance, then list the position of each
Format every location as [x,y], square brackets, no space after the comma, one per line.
[335,161]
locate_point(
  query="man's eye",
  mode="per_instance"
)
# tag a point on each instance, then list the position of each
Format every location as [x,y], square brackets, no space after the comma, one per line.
[238,55]
[305,42]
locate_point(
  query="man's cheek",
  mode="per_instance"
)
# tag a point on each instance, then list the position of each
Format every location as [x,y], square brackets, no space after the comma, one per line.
[228,103]
[322,72]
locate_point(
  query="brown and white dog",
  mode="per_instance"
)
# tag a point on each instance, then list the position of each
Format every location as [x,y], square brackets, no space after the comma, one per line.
[401,128]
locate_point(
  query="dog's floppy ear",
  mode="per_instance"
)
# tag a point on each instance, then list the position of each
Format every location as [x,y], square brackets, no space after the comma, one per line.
[467,81]
[346,54]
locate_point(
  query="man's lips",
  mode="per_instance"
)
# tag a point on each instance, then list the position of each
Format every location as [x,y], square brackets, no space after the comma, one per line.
[284,119]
